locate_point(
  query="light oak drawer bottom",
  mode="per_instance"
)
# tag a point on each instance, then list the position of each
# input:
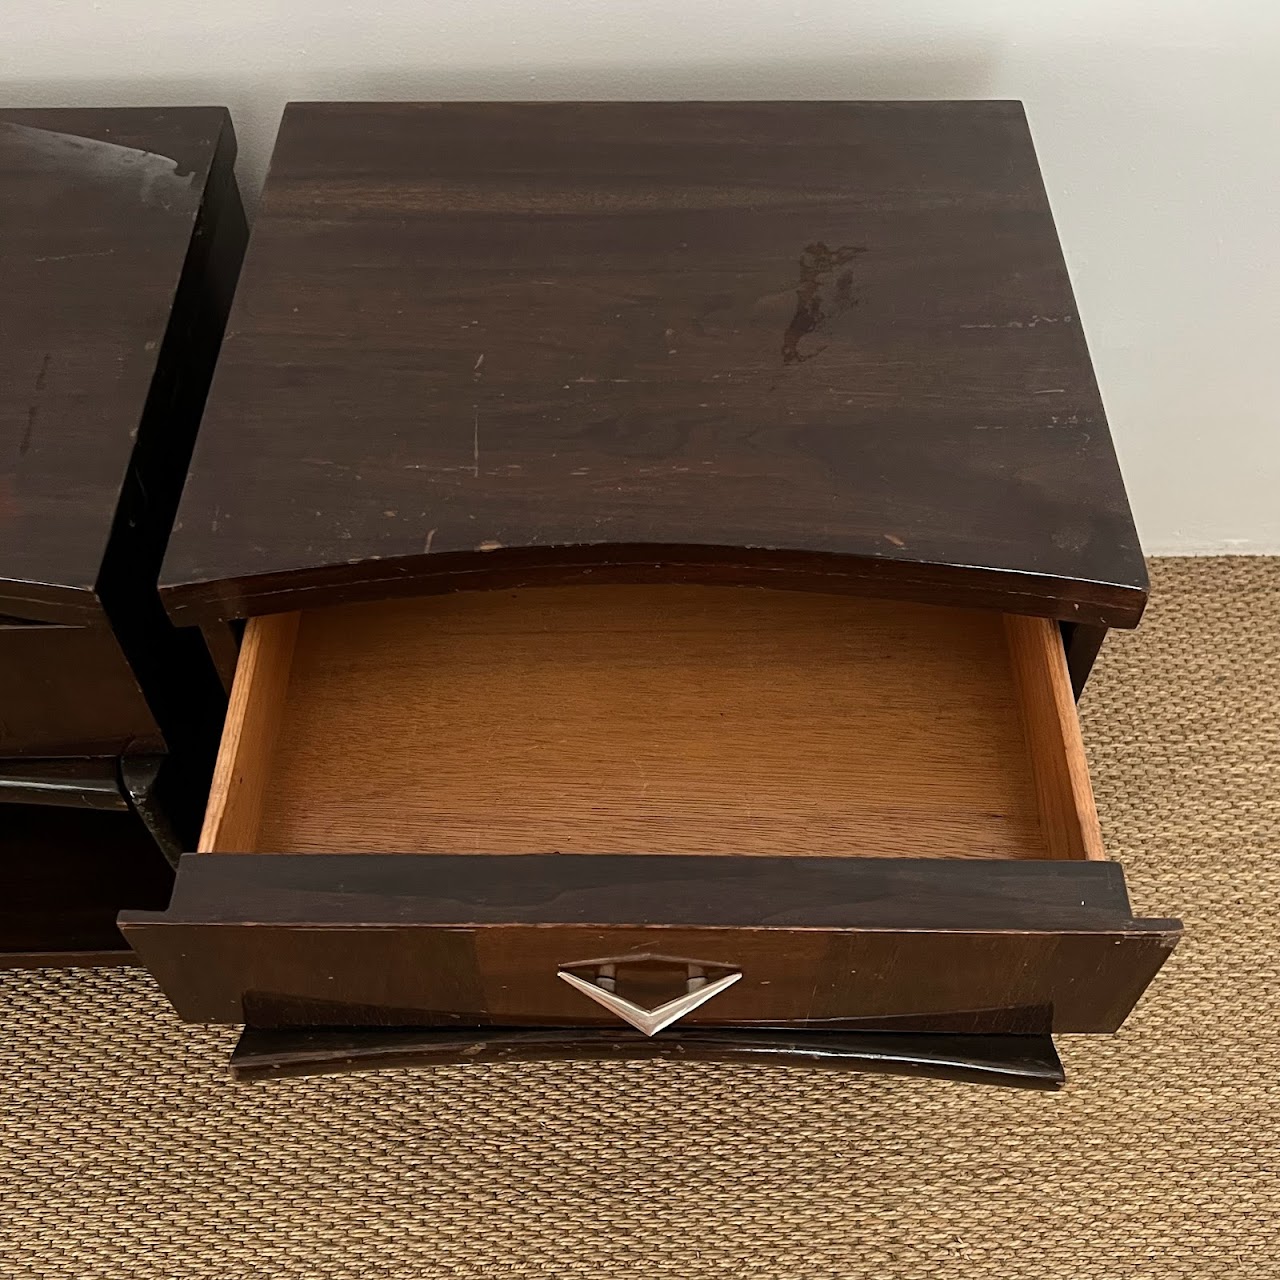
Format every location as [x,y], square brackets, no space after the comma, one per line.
[653,720]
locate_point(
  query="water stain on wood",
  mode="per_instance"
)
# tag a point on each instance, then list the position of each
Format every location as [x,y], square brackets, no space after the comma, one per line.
[33,411]
[821,295]
[24,445]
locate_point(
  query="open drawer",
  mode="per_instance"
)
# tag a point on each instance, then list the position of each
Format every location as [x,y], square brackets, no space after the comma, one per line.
[599,805]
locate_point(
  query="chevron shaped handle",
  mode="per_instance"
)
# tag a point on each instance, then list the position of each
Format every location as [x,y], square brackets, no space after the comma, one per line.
[650,1021]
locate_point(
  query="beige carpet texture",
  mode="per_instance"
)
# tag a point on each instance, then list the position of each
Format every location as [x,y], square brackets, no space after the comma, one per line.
[125,1151]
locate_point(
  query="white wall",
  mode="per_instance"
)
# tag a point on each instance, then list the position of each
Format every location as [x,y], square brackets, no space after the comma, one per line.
[1158,123]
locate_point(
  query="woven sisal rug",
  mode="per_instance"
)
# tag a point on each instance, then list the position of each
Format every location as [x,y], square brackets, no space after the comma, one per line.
[125,1151]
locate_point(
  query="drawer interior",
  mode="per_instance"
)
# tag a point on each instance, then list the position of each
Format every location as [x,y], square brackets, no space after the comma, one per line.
[652,719]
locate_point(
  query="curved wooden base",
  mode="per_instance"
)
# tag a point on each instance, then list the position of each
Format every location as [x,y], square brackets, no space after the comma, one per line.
[1026,1061]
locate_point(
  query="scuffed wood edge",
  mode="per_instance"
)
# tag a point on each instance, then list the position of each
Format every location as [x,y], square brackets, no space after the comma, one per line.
[236,795]
[1058,763]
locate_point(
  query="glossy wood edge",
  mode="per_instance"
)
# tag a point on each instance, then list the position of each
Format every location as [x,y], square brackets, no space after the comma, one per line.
[1027,1061]
[1104,604]
[85,782]
[1059,766]
[650,890]
[126,957]
[253,718]
[58,606]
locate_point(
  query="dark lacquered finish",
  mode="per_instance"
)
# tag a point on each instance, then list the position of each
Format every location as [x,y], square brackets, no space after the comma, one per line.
[1082,643]
[89,782]
[819,346]
[827,345]
[1025,1061]
[70,690]
[121,234]
[97,215]
[419,940]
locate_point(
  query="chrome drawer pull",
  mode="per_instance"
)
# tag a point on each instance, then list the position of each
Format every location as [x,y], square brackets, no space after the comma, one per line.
[601,987]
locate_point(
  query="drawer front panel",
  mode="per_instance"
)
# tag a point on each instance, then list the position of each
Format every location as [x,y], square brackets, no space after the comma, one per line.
[69,691]
[412,940]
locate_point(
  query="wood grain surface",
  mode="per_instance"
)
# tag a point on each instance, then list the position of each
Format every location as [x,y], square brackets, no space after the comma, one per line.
[465,941]
[811,344]
[243,771]
[676,719]
[97,213]
[1069,817]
